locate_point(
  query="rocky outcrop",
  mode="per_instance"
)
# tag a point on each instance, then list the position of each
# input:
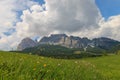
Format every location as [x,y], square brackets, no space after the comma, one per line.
[52,39]
[104,43]
[69,42]
[26,43]
[60,39]
[77,42]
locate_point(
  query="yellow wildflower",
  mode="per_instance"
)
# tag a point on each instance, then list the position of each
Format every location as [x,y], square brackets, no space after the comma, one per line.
[44,65]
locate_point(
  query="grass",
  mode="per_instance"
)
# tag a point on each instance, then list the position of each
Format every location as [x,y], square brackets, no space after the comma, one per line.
[15,66]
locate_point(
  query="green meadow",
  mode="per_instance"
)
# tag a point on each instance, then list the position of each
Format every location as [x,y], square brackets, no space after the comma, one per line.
[16,66]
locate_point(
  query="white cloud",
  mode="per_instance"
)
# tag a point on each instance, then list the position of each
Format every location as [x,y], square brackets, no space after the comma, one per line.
[76,17]
[7,16]
[23,4]
[111,28]
[9,42]
[63,17]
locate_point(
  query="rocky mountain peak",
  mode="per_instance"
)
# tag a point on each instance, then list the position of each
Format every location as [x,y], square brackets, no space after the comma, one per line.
[53,38]
[26,43]
[70,42]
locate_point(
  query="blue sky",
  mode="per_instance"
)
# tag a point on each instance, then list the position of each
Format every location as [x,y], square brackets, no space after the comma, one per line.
[40,1]
[109,7]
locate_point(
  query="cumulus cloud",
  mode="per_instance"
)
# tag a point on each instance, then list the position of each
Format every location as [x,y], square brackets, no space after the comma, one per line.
[110,28]
[8,17]
[77,17]
[23,4]
[67,16]
[9,42]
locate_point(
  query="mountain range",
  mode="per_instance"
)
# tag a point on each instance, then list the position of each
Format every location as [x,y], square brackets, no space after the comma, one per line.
[69,42]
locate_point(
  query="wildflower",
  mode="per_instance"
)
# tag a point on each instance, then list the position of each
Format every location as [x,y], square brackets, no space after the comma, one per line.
[44,65]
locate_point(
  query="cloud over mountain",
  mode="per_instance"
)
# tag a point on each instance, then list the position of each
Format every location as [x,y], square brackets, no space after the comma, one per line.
[76,17]
[110,28]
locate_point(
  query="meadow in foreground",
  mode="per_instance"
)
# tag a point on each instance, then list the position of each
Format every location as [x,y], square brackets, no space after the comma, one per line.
[15,66]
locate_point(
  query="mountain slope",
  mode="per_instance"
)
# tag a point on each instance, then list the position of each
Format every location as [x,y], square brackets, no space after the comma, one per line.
[26,43]
[70,42]
[105,43]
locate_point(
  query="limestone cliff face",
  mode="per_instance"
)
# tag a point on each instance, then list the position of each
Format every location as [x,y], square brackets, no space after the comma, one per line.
[69,41]
[53,39]
[64,40]
[77,42]
[26,43]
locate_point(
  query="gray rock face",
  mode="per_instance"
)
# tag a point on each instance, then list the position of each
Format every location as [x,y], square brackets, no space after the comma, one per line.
[69,41]
[54,38]
[105,43]
[64,40]
[26,43]
[77,42]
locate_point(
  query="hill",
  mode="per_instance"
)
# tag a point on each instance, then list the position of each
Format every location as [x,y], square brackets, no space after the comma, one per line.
[57,51]
[15,66]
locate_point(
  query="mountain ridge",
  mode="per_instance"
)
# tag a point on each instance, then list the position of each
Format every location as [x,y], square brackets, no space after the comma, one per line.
[70,42]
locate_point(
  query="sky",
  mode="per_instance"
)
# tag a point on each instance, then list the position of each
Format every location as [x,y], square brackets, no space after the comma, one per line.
[108,7]
[38,18]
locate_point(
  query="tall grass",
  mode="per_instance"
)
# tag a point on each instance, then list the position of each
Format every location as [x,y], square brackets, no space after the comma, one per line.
[15,66]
